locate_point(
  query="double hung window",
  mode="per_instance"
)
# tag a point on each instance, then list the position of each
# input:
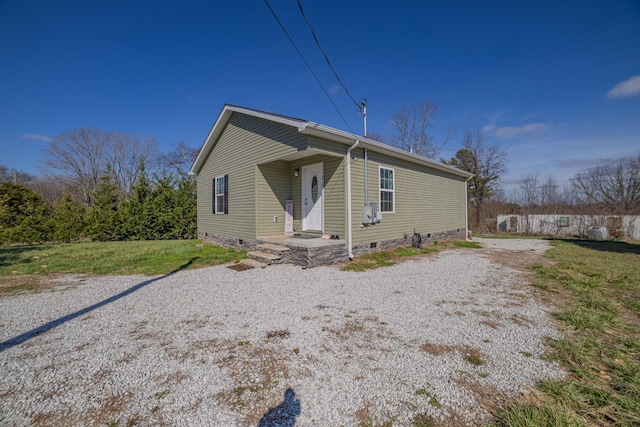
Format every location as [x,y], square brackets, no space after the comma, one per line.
[387,190]
[220,195]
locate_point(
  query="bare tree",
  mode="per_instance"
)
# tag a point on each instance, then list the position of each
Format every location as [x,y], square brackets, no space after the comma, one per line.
[81,157]
[412,126]
[529,191]
[613,186]
[13,175]
[487,162]
[127,153]
[550,196]
[180,160]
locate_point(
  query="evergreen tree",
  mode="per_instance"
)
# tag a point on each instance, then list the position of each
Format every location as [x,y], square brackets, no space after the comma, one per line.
[136,210]
[163,207]
[185,212]
[23,215]
[67,219]
[103,219]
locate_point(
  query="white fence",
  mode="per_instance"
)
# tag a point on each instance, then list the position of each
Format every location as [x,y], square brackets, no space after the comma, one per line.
[570,225]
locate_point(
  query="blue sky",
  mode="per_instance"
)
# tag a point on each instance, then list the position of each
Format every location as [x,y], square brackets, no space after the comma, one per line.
[557,84]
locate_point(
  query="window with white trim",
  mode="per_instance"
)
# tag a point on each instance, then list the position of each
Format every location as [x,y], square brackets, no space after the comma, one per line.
[387,190]
[220,194]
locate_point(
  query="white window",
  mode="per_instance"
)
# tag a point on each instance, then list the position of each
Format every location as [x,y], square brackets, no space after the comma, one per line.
[220,189]
[387,190]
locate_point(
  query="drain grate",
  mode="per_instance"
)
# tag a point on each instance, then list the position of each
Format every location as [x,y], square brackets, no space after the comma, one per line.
[240,267]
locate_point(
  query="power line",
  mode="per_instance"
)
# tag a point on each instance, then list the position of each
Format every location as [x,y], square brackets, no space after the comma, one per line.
[357,104]
[308,66]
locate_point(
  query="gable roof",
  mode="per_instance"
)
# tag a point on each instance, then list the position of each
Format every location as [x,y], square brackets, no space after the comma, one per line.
[319,130]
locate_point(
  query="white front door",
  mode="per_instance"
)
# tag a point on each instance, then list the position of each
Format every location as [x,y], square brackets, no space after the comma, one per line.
[312,189]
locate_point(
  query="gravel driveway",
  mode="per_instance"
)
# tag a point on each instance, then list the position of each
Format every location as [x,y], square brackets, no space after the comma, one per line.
[277,346]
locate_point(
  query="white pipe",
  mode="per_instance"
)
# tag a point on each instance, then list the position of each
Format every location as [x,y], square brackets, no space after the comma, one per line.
[466,207]
[364,116]
[366,177]
[349,226]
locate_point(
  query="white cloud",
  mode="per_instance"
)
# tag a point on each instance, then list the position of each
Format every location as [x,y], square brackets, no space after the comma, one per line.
[36,137]
[509,131]
[627,88]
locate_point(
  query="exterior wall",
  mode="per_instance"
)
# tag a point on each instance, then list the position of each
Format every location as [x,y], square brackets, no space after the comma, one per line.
[627,225]
[427,239]
[273,188]
[427,201]
[245,142]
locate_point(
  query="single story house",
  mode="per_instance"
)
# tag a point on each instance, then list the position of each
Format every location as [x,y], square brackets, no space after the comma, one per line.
[263,176]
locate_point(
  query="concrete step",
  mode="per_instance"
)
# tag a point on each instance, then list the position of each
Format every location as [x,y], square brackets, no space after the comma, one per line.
[273,248]
[253,263]
[265,257]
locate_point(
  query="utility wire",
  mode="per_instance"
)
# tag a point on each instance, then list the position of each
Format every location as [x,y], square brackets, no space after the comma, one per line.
[309,66]
[357,104]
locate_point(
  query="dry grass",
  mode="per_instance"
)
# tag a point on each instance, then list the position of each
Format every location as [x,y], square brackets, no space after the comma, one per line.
[436,349]
[596,289]
[278,334]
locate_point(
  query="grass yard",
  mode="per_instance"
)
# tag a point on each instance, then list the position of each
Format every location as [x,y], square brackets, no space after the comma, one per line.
[595,287]
[389,257]
[22,267]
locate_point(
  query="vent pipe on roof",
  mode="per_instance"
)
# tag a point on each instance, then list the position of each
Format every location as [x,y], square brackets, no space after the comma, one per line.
[363,108]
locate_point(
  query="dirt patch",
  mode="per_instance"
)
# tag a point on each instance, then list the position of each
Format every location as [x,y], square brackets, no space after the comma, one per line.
[518,260]
[17,284]
[32,283]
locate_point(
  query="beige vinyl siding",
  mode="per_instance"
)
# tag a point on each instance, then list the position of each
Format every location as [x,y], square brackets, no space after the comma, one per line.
[244,142]
[426,200]
[273,188]
[335,213]
[330,147]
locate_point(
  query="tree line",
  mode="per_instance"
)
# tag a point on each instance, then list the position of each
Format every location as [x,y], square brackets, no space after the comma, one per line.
[101,186]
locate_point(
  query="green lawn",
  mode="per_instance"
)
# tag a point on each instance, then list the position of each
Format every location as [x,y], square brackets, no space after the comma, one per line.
[595,287]
[131,257]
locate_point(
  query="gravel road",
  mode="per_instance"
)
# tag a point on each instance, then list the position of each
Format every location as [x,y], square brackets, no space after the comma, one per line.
[280,346]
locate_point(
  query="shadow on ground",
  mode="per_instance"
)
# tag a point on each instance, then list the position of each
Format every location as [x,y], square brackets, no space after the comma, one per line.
[283,415]
[19,339]
[10,255]
[606,246]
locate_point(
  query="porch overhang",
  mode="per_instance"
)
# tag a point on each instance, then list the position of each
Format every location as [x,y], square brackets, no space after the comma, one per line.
[301,154]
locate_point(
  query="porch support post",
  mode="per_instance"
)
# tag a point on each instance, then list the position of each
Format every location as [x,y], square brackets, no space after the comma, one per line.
[349,222]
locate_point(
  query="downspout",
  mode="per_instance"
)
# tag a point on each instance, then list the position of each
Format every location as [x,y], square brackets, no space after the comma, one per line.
[349,225]
[466,207]
[366,177]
